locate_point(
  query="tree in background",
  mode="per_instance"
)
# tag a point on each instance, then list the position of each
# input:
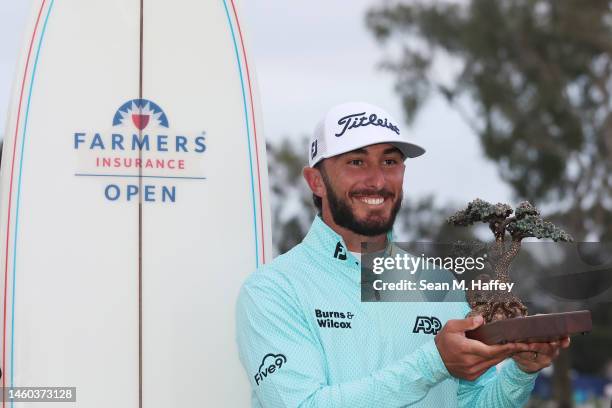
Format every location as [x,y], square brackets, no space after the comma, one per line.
[291,199]
[532,79]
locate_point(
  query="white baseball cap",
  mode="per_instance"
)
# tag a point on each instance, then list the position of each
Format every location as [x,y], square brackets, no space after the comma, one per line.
[353,125]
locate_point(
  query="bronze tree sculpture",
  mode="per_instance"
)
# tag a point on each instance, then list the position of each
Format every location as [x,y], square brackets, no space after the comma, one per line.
[526,222]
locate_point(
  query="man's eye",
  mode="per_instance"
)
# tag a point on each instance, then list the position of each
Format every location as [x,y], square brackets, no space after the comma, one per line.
[356,162]
[390,162]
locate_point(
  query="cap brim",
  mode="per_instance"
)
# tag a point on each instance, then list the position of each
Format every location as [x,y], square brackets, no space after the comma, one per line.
[410,150]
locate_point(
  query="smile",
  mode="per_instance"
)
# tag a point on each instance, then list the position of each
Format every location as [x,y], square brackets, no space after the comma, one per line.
[371,200]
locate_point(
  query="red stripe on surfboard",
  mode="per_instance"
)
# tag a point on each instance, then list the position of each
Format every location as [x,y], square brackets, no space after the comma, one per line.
[246,64]
[8,223]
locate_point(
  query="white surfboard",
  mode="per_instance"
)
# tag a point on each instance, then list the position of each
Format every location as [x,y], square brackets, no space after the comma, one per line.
[133,203]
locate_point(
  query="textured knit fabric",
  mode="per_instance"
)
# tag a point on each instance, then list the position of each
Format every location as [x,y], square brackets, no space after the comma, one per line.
[306,340]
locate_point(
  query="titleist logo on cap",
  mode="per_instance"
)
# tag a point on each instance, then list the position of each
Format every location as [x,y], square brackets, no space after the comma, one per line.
[356,120]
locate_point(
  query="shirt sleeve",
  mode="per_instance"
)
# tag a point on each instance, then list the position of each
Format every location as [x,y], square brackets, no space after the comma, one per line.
[510,387]
[286,364]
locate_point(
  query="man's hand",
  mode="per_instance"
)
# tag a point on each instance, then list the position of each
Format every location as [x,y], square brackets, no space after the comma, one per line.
[469,359]
[540,355]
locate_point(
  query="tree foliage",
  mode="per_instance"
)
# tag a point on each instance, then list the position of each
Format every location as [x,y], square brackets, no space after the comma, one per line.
[535,77]
[292,208]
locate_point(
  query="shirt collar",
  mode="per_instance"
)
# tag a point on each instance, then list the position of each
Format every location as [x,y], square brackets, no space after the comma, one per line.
[328,243]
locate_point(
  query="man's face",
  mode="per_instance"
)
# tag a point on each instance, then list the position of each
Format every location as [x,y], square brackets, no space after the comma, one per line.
[364,188]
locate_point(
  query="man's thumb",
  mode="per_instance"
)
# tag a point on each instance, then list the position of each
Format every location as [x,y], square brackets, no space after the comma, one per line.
[463,325]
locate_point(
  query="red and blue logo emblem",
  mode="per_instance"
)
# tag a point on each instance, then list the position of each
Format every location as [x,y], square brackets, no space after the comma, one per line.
[142,113]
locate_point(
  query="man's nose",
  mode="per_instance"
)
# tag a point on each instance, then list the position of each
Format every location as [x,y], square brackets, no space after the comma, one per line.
[375,178]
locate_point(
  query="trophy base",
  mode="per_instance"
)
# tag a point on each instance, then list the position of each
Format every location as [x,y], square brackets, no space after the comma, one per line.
[533,329]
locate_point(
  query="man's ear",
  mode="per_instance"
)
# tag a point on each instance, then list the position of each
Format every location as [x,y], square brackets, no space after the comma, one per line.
[314,179]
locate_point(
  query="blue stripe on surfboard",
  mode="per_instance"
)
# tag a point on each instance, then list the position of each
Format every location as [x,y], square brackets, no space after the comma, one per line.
[23,137]
[246,118]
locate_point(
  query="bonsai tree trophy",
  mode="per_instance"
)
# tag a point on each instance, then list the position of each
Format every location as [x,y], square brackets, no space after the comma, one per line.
[503,312]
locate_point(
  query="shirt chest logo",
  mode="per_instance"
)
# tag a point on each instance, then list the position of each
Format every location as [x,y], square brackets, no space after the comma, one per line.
[340,252]
[334,320]
[427,325]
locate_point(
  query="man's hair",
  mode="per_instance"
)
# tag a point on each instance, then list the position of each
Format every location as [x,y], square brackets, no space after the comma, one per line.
[318,201]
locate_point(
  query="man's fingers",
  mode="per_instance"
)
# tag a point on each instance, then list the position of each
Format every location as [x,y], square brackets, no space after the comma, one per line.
[565,342]
[469,359]
[505,350]
[543,348]
[496,351]
[531,362]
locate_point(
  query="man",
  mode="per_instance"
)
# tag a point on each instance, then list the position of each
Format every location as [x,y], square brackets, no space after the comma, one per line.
[306,339]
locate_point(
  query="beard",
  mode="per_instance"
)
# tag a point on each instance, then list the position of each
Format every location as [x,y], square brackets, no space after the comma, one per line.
[344,216]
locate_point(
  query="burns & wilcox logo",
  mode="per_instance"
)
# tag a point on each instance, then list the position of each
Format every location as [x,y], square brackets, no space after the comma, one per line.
[140,144]
[334,320]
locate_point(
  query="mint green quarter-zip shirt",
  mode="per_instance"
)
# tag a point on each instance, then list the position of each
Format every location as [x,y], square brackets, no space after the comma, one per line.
[306,339]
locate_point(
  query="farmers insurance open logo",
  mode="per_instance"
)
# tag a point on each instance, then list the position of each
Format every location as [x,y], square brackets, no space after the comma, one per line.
[140,144]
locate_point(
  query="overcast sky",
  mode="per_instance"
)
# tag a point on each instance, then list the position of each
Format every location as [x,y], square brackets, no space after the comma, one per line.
[308,57]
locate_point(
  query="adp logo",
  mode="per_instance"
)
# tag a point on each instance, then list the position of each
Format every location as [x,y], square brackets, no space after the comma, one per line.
[427,325]
[272,362]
